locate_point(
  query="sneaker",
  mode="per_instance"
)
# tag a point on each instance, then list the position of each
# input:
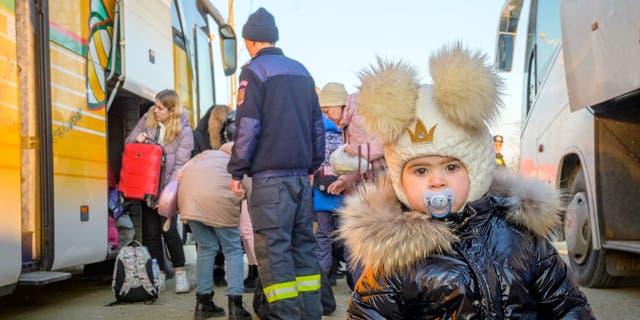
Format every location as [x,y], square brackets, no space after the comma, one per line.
[162,279]
[182,283]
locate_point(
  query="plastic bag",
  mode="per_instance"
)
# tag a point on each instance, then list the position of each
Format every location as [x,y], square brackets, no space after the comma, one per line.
[342,163]
[168,200]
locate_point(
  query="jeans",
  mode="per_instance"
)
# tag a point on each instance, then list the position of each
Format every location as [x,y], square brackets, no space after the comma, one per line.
[207,238]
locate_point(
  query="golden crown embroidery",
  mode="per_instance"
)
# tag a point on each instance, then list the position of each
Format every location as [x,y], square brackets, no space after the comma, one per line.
[421,135]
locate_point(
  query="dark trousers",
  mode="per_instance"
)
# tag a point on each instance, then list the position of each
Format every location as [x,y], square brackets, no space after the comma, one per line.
[327,224]
[282,216]
[151,232]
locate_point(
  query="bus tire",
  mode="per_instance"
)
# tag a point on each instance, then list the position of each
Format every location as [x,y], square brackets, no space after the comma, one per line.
[588,265]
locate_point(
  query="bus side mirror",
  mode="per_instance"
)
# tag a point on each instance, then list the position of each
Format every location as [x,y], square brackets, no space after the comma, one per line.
[228,46]
[504,52]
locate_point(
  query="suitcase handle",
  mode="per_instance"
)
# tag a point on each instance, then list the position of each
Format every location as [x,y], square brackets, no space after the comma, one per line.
[153,203]
[152,141]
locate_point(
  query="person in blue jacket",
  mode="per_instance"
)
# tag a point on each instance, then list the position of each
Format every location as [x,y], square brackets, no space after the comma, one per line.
[332,96]
[279,142]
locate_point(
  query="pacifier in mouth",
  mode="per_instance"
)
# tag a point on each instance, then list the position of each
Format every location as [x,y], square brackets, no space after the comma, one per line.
[439,203]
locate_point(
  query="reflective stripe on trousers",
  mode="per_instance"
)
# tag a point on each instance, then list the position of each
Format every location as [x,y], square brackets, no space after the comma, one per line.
[288,290]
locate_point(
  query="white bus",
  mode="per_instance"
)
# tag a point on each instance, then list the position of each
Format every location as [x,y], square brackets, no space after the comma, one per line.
[576,66]
[75,76]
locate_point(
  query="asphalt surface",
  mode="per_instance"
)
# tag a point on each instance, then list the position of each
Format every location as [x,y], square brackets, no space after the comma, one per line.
[84,298]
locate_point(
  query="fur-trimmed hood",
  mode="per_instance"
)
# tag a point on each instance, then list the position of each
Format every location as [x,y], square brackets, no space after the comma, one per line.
[383,237]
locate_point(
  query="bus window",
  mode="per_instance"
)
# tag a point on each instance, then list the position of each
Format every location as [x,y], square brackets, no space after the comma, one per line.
[530,63]
[204,66]
[506,34]
[548,35]
[532,88]
[505,52]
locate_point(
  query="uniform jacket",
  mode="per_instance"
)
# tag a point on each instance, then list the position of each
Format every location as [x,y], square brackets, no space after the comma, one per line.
[496,264]
[176,154]
[278,118]
[204,194]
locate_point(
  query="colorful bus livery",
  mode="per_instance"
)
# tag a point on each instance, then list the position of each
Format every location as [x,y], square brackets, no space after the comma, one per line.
[70,90]
[10,228]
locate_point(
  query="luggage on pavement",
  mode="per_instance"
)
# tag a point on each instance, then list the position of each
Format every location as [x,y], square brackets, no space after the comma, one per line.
[133,276]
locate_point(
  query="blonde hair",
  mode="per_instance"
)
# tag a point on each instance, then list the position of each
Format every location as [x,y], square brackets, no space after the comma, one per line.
[216,119]
[170,100]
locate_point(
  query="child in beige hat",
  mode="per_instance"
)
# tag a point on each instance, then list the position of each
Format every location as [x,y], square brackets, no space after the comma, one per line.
[444,235]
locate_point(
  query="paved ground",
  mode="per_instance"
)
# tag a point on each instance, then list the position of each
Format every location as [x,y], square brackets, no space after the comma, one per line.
[83,299]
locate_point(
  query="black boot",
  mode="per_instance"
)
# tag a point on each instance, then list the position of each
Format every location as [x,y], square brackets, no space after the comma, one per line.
[218,276]
[205,308]
[251,281]
[236,309]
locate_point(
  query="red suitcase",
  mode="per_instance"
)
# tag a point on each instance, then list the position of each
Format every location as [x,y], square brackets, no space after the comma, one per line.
[140,174]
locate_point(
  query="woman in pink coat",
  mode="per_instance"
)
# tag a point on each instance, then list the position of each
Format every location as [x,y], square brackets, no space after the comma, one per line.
[359,143]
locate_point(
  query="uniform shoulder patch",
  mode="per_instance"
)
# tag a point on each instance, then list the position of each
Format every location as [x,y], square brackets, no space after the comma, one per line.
[241,90]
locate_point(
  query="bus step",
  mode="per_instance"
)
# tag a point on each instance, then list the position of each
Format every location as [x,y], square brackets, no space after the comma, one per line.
[38,278]
[627,246]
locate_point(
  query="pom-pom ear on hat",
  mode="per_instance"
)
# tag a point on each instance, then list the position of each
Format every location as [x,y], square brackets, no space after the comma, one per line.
[388,94]
[465,88]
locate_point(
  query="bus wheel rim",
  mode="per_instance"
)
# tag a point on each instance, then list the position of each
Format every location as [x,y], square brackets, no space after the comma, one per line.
[577,228]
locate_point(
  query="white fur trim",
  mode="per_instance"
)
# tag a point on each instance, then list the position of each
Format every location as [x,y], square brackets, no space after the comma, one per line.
[538,204]
[385,239]
[382,237]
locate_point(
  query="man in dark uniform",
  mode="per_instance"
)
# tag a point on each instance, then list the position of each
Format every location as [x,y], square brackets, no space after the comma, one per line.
[279,143]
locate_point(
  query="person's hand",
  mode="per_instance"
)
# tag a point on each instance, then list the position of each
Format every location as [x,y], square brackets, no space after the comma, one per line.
[337,187]
[311,179]
[179,174]
[351,149]
[236,187]
[142,136]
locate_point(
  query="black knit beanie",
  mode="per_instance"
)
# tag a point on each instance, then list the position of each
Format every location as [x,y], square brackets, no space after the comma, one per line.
[260,27]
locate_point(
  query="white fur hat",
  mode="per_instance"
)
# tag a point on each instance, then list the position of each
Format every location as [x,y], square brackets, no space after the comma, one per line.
[333,94]
[449,118]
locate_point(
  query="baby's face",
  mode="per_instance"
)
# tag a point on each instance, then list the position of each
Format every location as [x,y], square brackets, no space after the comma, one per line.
[435,173]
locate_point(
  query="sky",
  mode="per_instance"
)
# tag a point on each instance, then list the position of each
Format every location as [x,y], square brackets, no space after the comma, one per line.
[335,39]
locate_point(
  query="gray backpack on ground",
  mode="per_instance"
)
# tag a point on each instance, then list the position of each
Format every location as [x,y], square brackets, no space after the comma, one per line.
[133,279]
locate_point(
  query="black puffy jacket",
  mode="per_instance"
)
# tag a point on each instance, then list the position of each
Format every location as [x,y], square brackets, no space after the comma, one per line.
[495,263]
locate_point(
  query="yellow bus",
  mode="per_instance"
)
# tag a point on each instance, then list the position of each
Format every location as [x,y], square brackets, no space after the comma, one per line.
[75,76]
